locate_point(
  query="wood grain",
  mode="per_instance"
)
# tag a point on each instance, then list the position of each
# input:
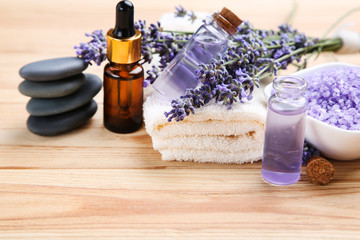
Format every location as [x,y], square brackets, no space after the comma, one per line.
[93,184]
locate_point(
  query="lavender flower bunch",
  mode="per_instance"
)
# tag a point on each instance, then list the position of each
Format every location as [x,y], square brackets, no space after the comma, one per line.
[254,54]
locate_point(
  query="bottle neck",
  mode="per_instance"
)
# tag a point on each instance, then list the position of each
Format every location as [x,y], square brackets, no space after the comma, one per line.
[124,67]
[220,31]
[289,95]
[289,87]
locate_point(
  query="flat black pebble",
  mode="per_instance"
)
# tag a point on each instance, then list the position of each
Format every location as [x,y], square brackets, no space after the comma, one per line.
[61,123]
[52,89]
[52,106]
[53,69]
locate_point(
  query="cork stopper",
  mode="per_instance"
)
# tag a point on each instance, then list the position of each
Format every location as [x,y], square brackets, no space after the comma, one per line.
[319,170]
[227,20]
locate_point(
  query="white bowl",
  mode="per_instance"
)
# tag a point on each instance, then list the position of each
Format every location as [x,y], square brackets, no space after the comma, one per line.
[332,142]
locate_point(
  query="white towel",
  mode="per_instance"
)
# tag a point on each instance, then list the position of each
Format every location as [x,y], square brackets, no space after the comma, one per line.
[169,21]
[212,134]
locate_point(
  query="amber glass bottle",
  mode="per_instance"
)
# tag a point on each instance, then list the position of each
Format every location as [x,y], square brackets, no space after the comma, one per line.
[123,97]
[123,76]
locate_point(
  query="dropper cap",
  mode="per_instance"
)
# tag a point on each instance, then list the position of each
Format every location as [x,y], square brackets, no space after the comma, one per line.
[227,20]
[124,25]
[124,41]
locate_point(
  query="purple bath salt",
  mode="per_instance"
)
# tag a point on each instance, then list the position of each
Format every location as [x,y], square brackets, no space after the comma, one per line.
[334,96]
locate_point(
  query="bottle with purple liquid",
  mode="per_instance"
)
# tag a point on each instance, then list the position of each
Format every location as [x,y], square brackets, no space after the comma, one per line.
[284,131]
[208,41]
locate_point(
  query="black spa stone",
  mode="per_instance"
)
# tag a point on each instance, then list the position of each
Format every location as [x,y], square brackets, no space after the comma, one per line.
[53,69]
[52,106]
[52,89]
[61,123]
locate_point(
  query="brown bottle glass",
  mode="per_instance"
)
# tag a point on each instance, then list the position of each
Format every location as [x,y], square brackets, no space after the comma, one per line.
[123,97]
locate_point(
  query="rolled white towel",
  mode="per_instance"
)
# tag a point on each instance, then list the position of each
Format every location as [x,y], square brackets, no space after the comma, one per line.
[170,21]
[212,134]
[351,42]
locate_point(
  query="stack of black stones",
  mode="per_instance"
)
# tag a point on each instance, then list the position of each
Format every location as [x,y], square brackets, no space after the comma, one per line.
[61,95]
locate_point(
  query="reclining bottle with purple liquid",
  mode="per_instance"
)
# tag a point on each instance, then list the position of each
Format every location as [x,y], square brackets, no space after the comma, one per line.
[208,41]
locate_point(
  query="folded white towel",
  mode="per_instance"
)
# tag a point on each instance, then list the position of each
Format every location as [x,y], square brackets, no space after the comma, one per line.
[212,134]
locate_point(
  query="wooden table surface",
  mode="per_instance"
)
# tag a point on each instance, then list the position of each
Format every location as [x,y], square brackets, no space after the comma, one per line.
[94,184]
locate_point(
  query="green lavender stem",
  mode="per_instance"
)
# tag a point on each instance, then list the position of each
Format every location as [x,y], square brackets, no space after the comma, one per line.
[178,32]
[325,45]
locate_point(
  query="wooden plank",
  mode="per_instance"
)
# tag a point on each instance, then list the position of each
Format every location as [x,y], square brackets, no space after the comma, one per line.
[204,202]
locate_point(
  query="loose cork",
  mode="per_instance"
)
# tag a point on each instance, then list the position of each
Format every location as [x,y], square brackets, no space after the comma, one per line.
[319,171]
[227,20]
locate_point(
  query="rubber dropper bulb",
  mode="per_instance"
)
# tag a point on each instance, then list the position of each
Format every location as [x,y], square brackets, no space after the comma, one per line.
[124,25]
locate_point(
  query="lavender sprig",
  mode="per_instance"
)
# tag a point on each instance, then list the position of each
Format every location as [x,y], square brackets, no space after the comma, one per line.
[95,49]
[181,12]
[309,152]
